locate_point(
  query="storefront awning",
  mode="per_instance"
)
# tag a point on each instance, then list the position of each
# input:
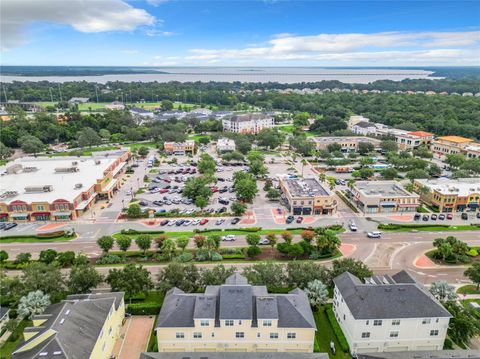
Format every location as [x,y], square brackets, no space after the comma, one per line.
[2,215]
[39,214]
[61,214]
[19,215]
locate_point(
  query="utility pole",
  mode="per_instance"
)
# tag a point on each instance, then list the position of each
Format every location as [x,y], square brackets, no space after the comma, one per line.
[5,93]
[96,92]
[51,95]
[60,91]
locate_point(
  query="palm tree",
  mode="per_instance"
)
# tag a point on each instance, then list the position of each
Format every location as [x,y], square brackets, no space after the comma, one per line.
[322,177]
[304,162]
[350,183]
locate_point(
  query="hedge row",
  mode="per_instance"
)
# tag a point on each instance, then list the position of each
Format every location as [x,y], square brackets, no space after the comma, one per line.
[337,330]
[249,229]
[50,235]
[134,231]
[144,308]
[393,226]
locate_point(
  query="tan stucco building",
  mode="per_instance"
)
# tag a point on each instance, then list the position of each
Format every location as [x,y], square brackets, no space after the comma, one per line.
[235,317]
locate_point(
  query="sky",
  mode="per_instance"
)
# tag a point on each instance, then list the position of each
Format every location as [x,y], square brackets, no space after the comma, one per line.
[239,33]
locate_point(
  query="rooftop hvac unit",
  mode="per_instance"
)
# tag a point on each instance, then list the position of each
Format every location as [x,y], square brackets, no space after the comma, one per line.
[34,189]
[66,169]
[74,163]
[97,162]
[78,185]
[8,194]
[30,169]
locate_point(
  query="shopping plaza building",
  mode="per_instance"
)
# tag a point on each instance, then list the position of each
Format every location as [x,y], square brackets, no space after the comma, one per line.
[58,188]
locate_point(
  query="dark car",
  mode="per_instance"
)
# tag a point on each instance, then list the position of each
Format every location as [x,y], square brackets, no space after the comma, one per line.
[464,216]
[417,216]
[223,201]
[235,221]
[478,214]
[179,222]
[441,217]
[164,222]
[300,219]
[433,217]
[9,226]
[289,219]
[143,203]
[425,217]
[2,225]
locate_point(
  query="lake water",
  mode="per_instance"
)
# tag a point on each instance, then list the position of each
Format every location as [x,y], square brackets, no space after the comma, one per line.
[243,74]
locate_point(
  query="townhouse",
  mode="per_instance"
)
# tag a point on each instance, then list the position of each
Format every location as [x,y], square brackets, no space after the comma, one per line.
[411,140]
[235,317]
[446,145]
[58,188]
[83,326]
[348,143]
[450,195]
[179,148]
[307,197]
[388,313]
[225,145]
[250,123]
[383,197]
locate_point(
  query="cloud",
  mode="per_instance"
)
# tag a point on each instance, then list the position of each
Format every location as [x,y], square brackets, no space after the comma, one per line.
[156,32]
[88,16]
[130,52]
[156,2]
[388,47]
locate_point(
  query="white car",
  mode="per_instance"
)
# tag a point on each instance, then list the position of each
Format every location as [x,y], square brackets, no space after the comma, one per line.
[264,241]
[353,227]
[171,223]
[155,190]
[129,192]
[229,238]
[195,222]
[374,234]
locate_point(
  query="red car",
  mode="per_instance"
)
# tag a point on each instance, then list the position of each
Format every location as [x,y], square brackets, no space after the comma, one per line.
[163,190]
[203,221]
[299,219]
[167,180]
[214,189]
[449,216]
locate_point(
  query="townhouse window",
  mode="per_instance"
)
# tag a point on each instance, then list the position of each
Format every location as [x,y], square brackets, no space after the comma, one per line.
[291,335]
[213,335]
[110,331]
[204,323]
[437,320]
[434,332]
[229,323]
[396,322]
[180,335]
[197,335]
[103,346]
[368,322]
[365,335]
[258,335]
[426,321]
[394,334]
[239,322]
[267,323]
[239,335]
[273,335]
[377,322]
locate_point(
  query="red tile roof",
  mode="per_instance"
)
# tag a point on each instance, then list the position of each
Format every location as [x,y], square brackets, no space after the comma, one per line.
[421,133]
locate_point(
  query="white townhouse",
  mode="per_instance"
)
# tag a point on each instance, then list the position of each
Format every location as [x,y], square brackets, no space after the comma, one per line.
[250,123]
[225,145]
[388,313]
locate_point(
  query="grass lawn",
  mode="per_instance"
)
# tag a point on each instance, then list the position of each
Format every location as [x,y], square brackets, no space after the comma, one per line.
[34,239]
[325,334]
[3,162]
[196,137]
[7,348]
[85,151]
[468,289]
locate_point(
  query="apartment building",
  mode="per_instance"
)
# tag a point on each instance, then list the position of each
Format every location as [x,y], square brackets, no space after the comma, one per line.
[235,317]
[450,195]
[472,151]
[250,123]
[59,188]
[354,120]
[225,145]
[411,140]
[230,355]
[307,197]
[433,354]
[83,326]
[180,148]
[383,197]
[446,145]
[388,313]
[364,128]
[348,144]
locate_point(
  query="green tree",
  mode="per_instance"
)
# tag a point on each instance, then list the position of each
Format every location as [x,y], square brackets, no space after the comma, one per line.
[253,239]
[134,211]
[88,137]
[66,258]
[254,251]
[47,256]
[44,277]
[257,168]
[464,325]
[443,291]
[317,293]
[5,152]
[416,174]
[184,277]
[23,258]
[299,274]
[270,138]
[473,273]
[365,148]
[3,256]
[131,279]
[144,242]
[206,164]
[201,202]
[389,146]
[83,278]
[196,187]
[265,273]
[143,151]
[365,161]
[246,189]
[167,105]
[238,208]
[216,275]
[272,239]
[124,243]
[455,160]
[273,194]
[182,243]
[389,173]
[105,243]
[353,266]
[168,249]
[33,303]
[30,144]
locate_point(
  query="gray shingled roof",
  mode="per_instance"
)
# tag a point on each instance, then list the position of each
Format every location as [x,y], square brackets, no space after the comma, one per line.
[228,355]
[437,354]
[77,333]
[388,301]
[364,124]
[242,301]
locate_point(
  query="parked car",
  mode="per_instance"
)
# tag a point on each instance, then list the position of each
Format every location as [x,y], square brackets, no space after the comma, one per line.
[179,222]
[2,225]
[353,227]
[143,203]
[9,226]
[195,222]
[441,217]
[203,222]
[433,217]
[264,241]
[478,215]
[290,219]
[164,222]
[171,222]
[425,217]
[219,221]
[235,220]
[299,219]
[223,201]
[229,238]
[416,217]
[449,216]
[465,216]
[187,222]
[374,234]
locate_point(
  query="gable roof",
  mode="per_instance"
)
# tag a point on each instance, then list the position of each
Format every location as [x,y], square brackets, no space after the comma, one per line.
[388,297]
[437,354]
[231,355]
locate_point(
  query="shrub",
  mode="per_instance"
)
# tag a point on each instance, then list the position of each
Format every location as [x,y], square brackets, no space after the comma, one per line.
[184,257]
[472,252]
[254,251]
[201,255]
[234,256]
[144,308]
[110,259]
[336,329]
[447,344]
[216,256]
[230,250]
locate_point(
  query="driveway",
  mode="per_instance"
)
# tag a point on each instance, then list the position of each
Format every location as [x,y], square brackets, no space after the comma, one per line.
[134,337]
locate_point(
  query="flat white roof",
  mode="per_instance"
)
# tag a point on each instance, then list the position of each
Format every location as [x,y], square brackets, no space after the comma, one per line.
[461,186]
[63,183]
[225,142]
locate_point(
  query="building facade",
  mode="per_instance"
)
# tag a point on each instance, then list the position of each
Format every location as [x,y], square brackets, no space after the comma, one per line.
[251,123]
[60,188]
[411,140]
[180,148]
[348,143]
[447,145]
[225,145]
[307,197]
[235,317]
[81,326]
[383,197]
[450,195]
[388,313]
